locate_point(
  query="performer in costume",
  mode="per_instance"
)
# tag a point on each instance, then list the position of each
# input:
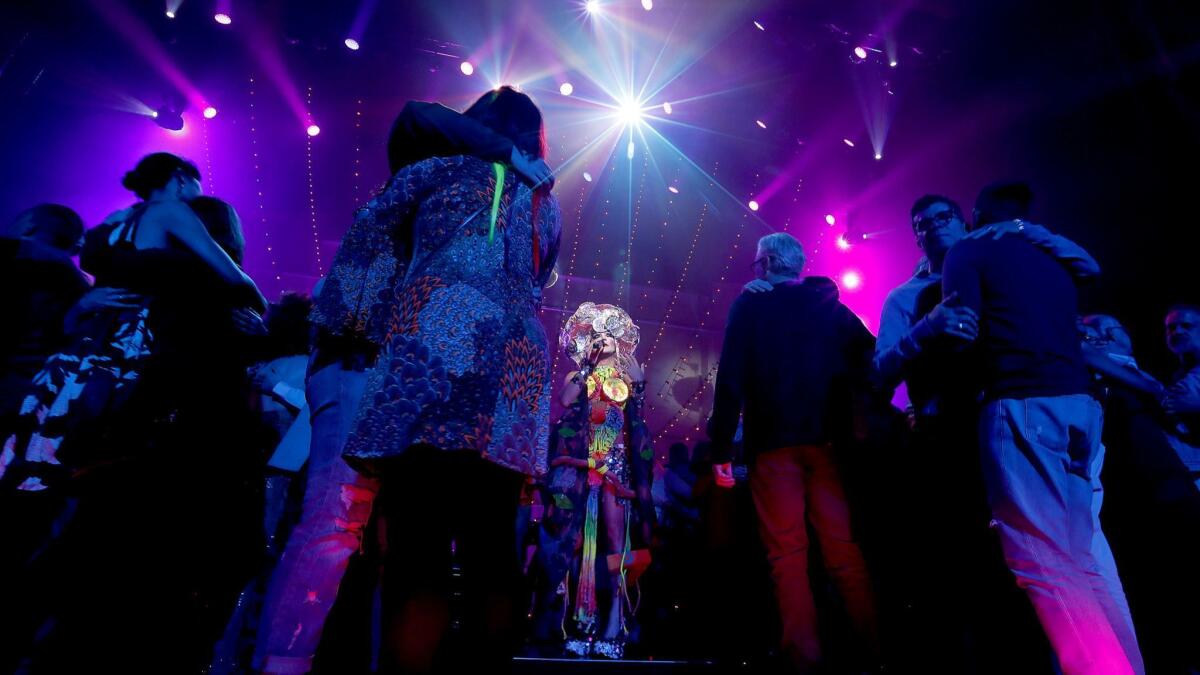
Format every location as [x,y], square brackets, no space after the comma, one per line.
[599,482]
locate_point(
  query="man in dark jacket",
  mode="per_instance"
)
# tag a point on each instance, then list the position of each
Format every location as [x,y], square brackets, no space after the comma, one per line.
[792,362]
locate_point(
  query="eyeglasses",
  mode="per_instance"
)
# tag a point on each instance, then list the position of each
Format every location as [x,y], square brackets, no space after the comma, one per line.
[763,263]
[923,224]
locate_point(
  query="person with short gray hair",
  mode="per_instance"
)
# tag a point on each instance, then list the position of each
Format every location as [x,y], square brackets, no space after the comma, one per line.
[792,360]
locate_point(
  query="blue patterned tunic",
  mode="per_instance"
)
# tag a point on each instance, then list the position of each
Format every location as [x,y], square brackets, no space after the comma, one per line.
[464,361]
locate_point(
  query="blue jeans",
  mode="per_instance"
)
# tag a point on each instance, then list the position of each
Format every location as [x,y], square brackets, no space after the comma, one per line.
[337,505]
[1041,461]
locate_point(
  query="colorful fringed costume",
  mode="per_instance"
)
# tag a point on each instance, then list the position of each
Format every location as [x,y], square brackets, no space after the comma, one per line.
[600,445]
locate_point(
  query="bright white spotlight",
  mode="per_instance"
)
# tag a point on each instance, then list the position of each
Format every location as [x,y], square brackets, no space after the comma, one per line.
[753,205]
[210,112]
[223,19]
[848,142]
[647,5]
[170,14]
[674,190]
[351,44]
[592,6]
[879,155]
[761,123]
[860,52]
[466,68]
[313,130]
[759,26]
[893,63]
[667,107]
[851,280]
[830,219]
[843,243]
[566,89]
[630,112]
[587,176]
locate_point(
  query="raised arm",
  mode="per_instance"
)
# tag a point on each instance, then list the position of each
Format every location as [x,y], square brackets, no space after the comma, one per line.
[1073,256]
[178,219]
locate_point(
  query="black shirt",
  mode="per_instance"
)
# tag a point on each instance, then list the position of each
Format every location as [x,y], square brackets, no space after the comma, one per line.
[1028,343]
[790,361]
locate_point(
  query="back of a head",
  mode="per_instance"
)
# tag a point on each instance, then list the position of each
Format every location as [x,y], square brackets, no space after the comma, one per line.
[1001,201]
[512,114]
[786,254]
[52,224]
[155,170]
[287,324]
[222,223]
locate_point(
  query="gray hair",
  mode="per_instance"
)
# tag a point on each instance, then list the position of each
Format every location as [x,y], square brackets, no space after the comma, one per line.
[787,255]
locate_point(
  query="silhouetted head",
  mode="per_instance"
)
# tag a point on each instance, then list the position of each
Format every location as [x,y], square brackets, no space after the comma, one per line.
[164,174]
[52,225]
[1001,201]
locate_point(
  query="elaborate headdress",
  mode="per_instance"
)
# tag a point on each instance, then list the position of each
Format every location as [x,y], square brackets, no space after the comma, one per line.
[591,321]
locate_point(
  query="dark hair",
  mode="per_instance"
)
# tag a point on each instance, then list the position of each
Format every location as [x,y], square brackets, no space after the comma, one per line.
[1182,307]
[511,113]
[288,326]
[56,224]
[155,170]
[1002,200]
[223,225]
[929,200]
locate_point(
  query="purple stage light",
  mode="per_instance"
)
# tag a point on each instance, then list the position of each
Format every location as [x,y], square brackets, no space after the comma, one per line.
[223,19]
[761,123]
[878,155]
[647,5]
[667,107]
[830,219]
[587,176]
[851,280]
[313,130]
[673,189]
[759,26]
[753,205]
[210,112]
[466,68]
[566,89]
[860,52]
[848,142]
[843,244]
[351,44]
[170,14]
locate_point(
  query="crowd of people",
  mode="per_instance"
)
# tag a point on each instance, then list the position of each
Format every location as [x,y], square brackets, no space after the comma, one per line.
[385,477]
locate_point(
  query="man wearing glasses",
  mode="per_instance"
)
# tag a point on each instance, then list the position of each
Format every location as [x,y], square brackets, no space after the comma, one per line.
[792,359]
[922,341]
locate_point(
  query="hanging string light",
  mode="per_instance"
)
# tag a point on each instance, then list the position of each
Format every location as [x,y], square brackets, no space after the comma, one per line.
[312,198]
[357,152]
[570,269]
[258,186]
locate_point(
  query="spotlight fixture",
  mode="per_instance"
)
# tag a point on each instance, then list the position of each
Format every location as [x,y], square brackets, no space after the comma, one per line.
[168,118]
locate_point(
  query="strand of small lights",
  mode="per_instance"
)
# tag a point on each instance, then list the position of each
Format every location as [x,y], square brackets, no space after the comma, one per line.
[258,188]
[703,324]
[633,228]
[208,172]
[570,269]
[658,252]
[602,229]
[312,198]
[687,263]
[357,151]
[708,379]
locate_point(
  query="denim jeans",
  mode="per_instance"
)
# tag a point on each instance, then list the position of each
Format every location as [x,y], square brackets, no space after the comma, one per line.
[1041,459]
[337,505]
[793,488]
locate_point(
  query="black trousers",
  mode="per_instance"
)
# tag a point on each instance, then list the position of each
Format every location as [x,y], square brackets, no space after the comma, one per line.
[450,577]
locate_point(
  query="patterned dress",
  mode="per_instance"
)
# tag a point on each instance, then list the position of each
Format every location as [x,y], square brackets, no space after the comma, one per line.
[464,360]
